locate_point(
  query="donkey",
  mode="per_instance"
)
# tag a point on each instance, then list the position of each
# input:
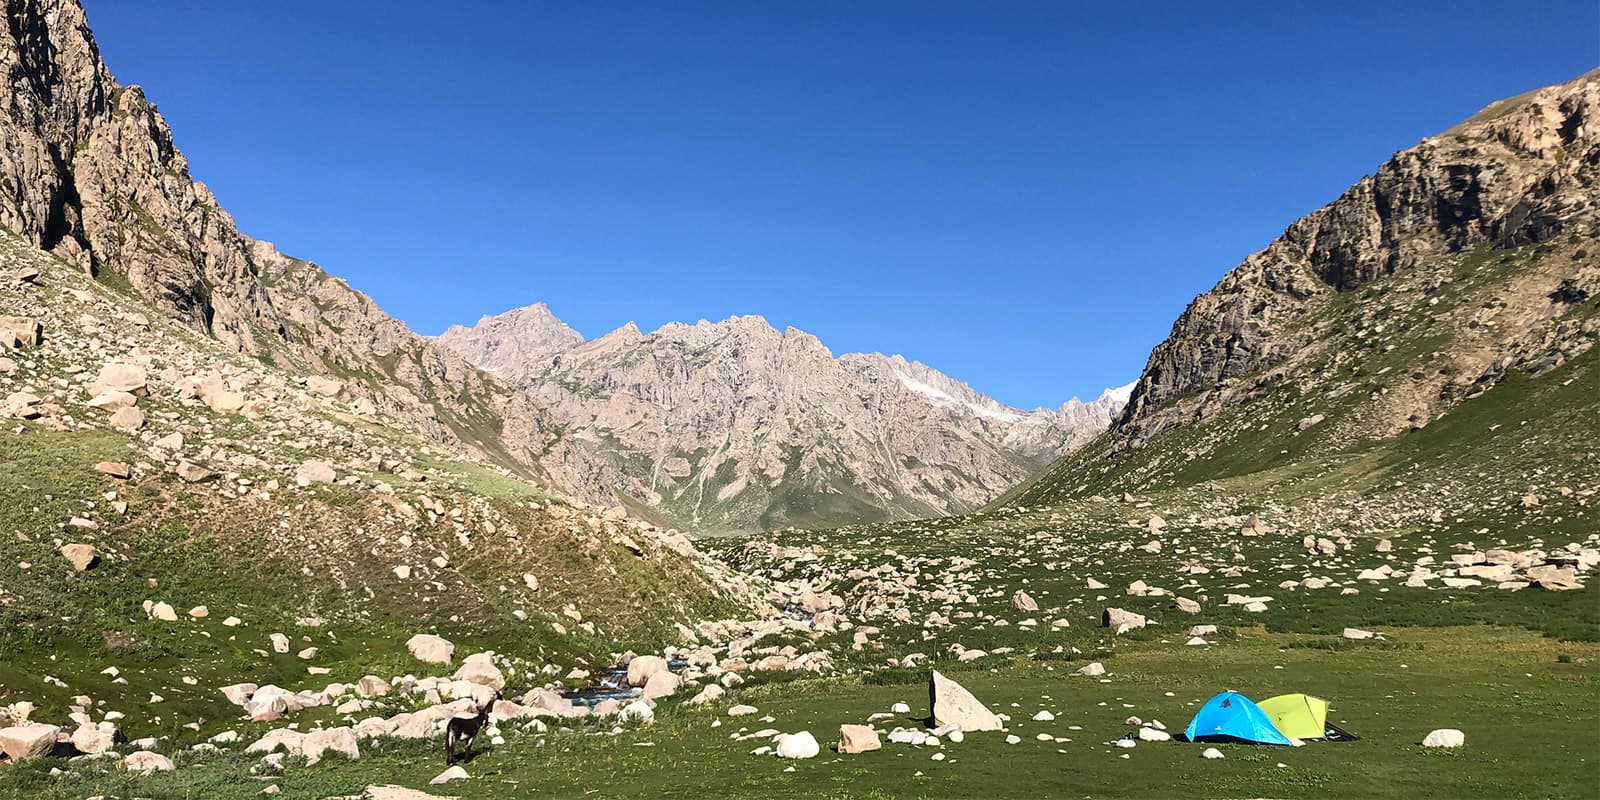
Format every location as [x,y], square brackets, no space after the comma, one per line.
[465,730]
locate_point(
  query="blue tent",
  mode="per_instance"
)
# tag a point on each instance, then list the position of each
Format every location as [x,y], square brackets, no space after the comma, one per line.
[1231,717]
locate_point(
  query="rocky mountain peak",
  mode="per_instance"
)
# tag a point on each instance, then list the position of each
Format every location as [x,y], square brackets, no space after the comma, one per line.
[739,421]
[1519,172]
[521,336]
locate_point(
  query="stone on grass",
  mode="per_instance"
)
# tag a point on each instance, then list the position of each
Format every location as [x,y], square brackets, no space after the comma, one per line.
[339,740]
[29,740]
[1093,669]
[1211,752]
[637,711]
[1022,602]
[400,793]
[857,739]
[709,694]
[798,745]
[1357,634]
[1445,737]
[147,762]
[372,686]
[455,773]
[953,704]
[94,739]
[239,693]
[742,711]
[1120,620]
[81,556]
[430,648]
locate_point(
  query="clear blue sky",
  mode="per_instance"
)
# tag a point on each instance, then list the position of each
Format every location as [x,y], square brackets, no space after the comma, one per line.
[1024,195]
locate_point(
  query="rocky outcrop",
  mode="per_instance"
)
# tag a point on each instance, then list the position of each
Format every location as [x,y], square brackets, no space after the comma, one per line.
[735,424]
[90,174]
[1520,172]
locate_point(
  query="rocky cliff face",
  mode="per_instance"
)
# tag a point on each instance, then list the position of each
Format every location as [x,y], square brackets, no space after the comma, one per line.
[735,424]
[1355,338]
[1520,172]
[89,173]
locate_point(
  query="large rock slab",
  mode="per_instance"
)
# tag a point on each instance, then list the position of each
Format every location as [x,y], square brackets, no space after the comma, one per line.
[952,704]
[1120,621]
[855,739]
[31,740]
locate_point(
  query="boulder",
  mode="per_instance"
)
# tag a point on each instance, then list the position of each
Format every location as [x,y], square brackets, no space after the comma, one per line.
[94,739]
[798,745]
[339,740]
[289,740]
[1211,752]
[637,711]
[1357,634]
[640,668]
[372,686]
[163,611]
[1445,737]
[661,684]
[127,418]
[118,377]
[1186,605]
[953,704]
[327,387]
[710,694]
[114,469]
[742,711]
[1120,620]
[81,556]
[147,762]
[1093,669]
[479,668]
[400,793]
[225,402]
[858,739]
[191,472]
[29,740]
[430,648]
[455,773]
[314,472]
[239,693]
[1022,602]
[21,331]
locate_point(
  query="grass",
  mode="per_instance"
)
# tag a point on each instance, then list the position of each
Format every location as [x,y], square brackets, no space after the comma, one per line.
[1523,711]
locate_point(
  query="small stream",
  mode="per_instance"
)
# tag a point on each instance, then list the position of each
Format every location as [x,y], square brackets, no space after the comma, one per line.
[611,683]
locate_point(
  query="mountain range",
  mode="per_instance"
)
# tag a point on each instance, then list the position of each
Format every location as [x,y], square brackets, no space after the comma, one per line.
[721,425]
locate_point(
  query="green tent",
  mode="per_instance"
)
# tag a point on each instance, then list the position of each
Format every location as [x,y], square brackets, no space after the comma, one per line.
[1299,716]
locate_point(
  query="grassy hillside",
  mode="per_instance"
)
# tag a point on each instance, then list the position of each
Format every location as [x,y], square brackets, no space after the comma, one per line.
[407,537]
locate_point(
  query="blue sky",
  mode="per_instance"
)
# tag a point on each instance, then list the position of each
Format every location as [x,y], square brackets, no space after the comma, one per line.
[1023,195]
